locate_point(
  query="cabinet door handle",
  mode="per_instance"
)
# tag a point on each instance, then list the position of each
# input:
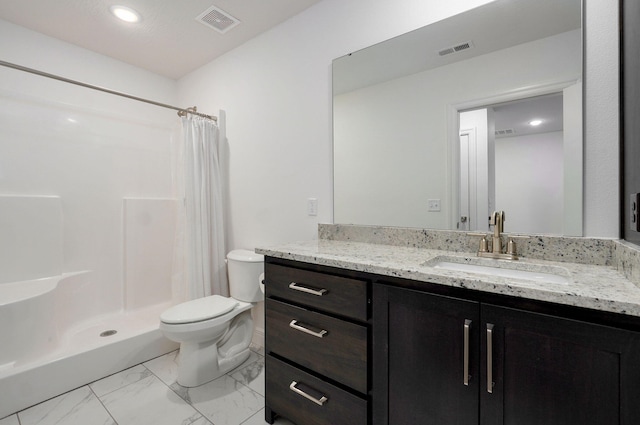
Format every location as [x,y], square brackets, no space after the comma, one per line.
[467,326]
[298,391]
[297,287]
[294,325]
[490,358]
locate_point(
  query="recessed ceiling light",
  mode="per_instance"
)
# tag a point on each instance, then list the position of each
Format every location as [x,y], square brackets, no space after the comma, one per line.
[535,123]
[125,13]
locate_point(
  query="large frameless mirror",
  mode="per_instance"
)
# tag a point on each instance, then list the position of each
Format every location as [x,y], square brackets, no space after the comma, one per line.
[479,112]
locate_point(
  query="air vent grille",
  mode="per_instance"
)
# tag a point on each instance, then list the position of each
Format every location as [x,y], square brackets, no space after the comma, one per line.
[457,48]
[217,19]
[505,132]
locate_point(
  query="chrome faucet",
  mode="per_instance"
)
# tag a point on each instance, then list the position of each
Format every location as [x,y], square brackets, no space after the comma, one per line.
[497,221]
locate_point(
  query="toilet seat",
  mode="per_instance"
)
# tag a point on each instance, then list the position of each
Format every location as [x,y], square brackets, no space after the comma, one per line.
[198,310]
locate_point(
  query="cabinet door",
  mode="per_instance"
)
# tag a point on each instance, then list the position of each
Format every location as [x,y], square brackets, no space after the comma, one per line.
[420,344]
[556,371]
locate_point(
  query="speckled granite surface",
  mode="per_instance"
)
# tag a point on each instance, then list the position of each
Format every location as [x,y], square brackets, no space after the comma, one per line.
[600,273]
[627,260]
[552,248]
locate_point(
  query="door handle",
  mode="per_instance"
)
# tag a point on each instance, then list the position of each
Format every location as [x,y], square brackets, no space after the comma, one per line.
[490,382]
[467,326]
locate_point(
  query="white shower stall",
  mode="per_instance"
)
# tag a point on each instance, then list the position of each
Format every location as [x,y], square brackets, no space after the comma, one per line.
[87,228]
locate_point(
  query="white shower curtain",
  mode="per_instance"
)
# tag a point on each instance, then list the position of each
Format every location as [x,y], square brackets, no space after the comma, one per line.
[199,269]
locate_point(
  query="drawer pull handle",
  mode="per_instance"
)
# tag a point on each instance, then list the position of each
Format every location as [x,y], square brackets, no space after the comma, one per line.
[465,378]
[298,391]
[318,292]
[294,325]
[490,382]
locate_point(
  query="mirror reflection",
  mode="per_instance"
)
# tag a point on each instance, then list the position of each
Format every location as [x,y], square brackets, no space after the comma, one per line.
[432,128]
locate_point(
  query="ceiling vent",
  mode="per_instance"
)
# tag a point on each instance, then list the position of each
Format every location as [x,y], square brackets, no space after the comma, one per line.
[217,19]
[457,48]
[505,132]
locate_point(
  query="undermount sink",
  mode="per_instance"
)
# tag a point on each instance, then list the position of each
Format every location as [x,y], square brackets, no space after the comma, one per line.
[510,269]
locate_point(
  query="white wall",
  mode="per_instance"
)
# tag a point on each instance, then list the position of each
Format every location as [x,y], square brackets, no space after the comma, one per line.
[530,182]
[276,90]
[601,165]
[573,149]
[91,149]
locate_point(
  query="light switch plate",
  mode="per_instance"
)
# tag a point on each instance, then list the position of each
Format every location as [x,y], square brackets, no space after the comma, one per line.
[312,206]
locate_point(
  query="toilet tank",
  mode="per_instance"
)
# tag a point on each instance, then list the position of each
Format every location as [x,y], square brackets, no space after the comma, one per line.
[245,270]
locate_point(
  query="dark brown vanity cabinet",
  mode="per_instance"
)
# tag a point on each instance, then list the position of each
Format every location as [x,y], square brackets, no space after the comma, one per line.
[344,347]
[443,360]
[316,341]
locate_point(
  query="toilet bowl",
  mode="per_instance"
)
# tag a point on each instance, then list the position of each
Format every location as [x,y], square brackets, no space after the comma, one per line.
[215,332]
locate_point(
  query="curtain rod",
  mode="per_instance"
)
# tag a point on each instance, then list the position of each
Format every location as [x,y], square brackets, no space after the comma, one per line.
[181,111]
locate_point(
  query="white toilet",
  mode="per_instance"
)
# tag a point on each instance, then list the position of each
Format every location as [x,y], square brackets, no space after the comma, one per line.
[214,332]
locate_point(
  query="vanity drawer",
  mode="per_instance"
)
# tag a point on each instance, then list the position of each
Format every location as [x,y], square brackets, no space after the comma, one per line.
[334,348]
[282,383]
[334,294]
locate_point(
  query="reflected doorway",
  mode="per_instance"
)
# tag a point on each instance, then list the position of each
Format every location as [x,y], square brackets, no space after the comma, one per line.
[523,157]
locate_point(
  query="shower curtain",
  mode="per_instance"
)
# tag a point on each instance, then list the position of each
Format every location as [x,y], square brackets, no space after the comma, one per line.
[199,268]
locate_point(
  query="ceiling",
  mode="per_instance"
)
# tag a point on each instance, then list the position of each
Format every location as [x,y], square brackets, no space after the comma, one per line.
[168,41]
[516,115]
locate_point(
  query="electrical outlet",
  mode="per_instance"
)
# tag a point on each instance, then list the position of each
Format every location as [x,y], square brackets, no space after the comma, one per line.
[312,206]
[634,219]
[434,204]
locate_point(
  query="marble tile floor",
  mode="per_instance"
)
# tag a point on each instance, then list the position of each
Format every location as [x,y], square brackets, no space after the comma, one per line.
[147,394]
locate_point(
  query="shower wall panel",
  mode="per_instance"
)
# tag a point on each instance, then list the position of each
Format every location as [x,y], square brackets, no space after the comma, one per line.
[91,150]
[30,237]
[149,235]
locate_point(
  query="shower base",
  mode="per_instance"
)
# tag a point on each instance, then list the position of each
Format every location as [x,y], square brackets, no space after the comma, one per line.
[88,351]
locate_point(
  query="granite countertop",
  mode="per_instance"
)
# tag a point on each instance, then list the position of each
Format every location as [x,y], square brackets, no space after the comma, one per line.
[599,287]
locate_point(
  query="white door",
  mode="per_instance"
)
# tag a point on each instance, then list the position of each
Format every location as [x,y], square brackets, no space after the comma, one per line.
[467,162]
[475,167]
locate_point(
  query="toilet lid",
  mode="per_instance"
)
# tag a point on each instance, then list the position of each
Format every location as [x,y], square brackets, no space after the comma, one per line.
[199,309]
